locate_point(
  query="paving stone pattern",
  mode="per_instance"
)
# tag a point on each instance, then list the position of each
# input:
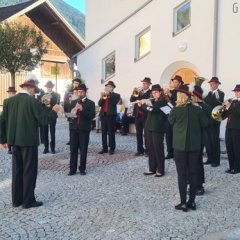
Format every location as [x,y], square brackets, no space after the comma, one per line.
[115,200]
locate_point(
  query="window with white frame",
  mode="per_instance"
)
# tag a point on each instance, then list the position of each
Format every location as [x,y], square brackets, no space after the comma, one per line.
[143,43]
[182,17]
[108,66]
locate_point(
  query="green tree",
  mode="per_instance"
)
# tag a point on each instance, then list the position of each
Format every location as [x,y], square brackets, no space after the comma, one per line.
[21,48]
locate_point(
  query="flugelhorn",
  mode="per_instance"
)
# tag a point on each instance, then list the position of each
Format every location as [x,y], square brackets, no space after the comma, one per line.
[105,93]
[137,92]
[46,99]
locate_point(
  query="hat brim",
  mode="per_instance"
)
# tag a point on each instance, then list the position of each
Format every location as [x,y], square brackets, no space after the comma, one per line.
[214,81]
[110,85]
[236,90]
[183,91]
[49,86]
[12,91]
[146,81]
[197,94]
[157,89]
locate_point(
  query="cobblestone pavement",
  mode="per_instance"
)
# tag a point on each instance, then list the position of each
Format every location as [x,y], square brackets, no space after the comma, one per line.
[115,200]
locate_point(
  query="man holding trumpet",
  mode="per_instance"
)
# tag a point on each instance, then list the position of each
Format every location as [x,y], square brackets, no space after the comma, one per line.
[140,115]
[108,103]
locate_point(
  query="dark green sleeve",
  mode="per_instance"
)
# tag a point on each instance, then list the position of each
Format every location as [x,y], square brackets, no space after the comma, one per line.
[43,115]
[3,135]
[171,117]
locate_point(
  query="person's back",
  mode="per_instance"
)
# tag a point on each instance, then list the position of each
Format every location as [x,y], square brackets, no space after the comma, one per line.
[23,113]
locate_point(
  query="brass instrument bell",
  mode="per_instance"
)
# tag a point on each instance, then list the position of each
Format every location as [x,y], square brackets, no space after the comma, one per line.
[199,81]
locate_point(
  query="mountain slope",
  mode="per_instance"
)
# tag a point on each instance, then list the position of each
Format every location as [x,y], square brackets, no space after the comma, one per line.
[71,14]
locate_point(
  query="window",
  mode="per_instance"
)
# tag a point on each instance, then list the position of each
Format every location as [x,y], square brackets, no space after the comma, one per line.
[143,43]
[108,66]
[182,17]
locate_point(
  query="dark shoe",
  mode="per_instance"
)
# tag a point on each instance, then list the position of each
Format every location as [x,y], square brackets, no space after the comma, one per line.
[148,173]
[68,143]
[16,205]
[32,205]
[83,173]
[191,205]
[9,152]
[200,192]
[182,207]
[137,154]
[207,163]
[159,175]
[111,152]
[102,152]
[124,134]
[45,151]
[234,172]
[169,156]
[53,151]
[97,131]
[215,164]
[71,173]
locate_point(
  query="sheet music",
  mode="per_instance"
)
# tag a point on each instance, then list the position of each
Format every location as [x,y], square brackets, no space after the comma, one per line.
[166,109]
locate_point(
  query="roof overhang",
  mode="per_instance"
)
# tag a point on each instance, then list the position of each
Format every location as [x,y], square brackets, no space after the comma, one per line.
[53,24]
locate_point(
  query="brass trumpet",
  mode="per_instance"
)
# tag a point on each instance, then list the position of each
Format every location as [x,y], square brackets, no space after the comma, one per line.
[137,92]
[46,99]
[106,93]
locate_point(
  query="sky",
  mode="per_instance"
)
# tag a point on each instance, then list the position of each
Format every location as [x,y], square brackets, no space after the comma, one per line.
[79,4]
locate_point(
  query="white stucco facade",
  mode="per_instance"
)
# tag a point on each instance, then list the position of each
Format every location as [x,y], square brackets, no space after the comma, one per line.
[165,57]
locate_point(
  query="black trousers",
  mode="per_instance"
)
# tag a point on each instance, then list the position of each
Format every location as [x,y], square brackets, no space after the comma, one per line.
[108,124]
[78,140]
[201,173]
[24,174]
[187,164]
[52,127]
[156,158]
[232,139]
[213,144]
[140,127]
[169,137]
[41,131]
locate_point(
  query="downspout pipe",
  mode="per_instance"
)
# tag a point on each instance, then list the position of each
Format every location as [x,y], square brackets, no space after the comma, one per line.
[215,38]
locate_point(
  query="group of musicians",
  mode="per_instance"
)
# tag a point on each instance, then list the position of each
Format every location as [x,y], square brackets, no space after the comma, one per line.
[180,113]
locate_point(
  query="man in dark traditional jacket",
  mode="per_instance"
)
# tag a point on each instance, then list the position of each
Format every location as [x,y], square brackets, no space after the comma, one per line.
[19,127]
[108,114]
[214,98]
[80,127]
[54,99]
[141,116]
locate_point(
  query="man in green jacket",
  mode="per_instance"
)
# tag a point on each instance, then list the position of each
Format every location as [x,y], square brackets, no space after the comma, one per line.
[19,127]
[80,127]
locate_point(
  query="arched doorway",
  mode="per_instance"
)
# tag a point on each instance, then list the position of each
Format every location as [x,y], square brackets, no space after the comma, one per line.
[183,68]
[187,74]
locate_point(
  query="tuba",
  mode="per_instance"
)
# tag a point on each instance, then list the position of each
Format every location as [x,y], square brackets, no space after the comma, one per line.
[217,112]
[199,81]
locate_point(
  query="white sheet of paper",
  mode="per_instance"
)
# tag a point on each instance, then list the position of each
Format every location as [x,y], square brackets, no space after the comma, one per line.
[166,109]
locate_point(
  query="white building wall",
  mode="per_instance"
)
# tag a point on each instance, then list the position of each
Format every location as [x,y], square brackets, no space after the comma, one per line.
[101,15]
[229,46]
[164,59]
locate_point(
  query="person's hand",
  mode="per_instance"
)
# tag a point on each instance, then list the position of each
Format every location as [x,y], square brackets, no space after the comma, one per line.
[79,107]
[4,146]
[56,108]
